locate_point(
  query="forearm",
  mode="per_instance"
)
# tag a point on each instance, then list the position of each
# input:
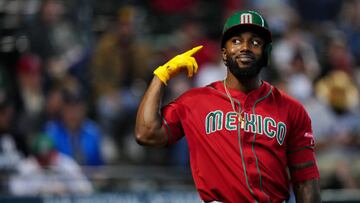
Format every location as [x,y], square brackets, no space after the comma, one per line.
[148,127]
[307,191]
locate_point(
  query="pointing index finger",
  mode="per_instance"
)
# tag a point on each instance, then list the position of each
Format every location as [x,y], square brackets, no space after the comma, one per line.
[193,50]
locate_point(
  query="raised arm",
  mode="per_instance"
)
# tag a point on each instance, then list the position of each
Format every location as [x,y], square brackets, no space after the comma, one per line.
[148,126]
[307,191]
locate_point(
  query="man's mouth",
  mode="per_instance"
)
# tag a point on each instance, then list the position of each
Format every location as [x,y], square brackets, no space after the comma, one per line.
[245,58]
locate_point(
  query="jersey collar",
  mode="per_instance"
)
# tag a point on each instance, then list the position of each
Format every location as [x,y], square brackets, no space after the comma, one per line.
[262,91]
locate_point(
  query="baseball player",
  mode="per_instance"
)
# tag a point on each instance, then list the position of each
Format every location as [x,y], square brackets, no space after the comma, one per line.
[248,141]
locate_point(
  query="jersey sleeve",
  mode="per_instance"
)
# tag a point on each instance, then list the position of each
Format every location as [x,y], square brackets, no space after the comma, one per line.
[301,155]
[171,122]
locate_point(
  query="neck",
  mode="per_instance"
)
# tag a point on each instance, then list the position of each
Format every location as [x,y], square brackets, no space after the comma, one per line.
[244,85]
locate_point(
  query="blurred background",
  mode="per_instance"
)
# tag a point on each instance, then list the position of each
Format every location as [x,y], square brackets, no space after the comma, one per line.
[72,73]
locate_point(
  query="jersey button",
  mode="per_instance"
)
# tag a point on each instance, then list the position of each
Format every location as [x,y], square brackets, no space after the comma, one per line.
[250,160]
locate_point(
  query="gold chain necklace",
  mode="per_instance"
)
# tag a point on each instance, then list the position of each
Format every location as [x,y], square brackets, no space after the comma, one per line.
[240,118]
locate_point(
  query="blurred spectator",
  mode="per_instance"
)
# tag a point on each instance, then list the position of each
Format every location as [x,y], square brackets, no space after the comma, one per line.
[31,92]
[338,55]
[120,72]
[349,22]
[297,65]
[48,172]
[54,103]
[295,43]
[339,149]
[13,146]
[299,80]
[54,38]
[339,91]
[74,134]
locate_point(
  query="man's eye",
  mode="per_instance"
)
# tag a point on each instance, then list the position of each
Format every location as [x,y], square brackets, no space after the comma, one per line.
[256,43]
[236,41]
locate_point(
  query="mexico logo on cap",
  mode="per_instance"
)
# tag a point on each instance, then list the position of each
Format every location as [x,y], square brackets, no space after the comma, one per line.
[246,18]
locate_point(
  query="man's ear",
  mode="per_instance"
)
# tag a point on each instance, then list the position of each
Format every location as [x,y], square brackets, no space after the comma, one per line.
[224,56]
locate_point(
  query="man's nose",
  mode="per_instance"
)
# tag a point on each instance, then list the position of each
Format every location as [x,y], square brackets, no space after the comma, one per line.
[245,46]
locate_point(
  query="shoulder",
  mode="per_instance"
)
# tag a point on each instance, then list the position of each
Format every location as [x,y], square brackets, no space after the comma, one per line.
[286,100]
[197,91]
[195,94]
[294,110]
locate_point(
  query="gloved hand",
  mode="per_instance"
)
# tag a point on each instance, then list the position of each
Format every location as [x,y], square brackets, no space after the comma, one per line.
[184,61]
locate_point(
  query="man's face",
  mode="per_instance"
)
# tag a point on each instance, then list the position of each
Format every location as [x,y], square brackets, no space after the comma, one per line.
[243,55]
[73,115]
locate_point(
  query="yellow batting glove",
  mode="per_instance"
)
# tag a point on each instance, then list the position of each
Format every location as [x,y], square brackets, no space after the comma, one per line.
[184,61]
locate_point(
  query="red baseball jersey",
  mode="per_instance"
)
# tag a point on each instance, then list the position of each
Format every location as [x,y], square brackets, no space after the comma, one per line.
[253,162]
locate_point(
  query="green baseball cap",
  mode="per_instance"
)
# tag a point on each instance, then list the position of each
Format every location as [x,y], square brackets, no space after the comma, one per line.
[246,20]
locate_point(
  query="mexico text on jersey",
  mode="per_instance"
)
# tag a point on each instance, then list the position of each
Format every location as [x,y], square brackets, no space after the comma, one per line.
[217,120]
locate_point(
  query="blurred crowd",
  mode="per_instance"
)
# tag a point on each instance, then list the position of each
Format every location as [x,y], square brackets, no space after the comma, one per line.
[72,73]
